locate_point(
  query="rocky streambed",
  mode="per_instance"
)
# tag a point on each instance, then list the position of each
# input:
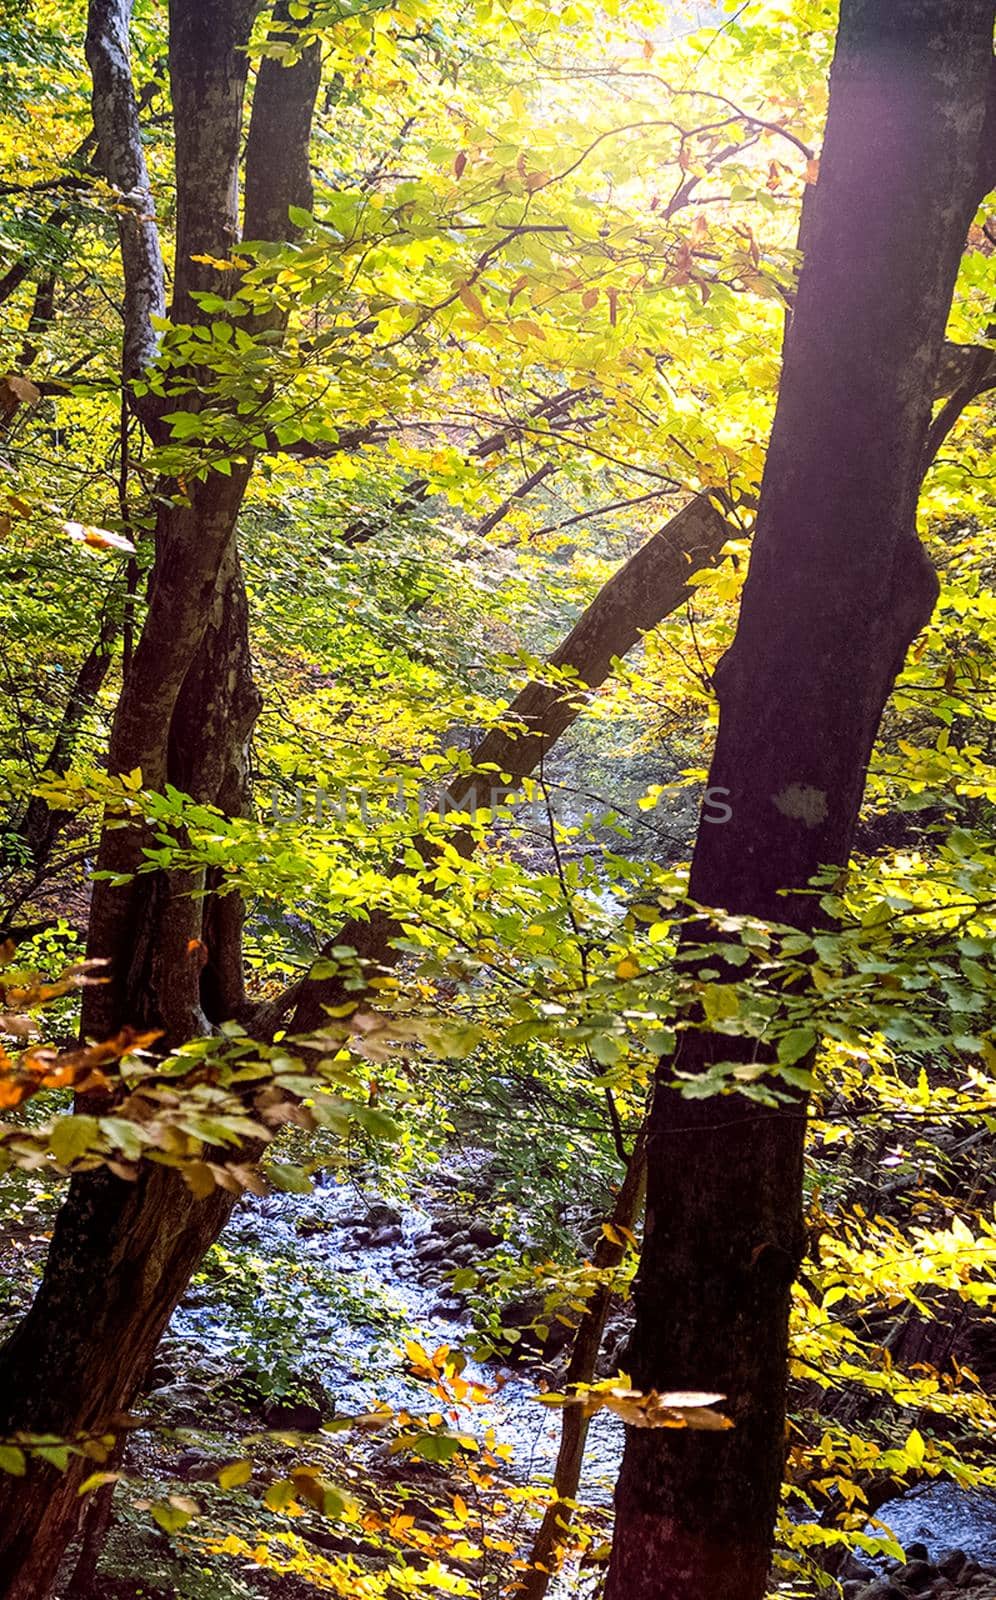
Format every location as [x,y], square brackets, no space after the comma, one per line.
[302,1314]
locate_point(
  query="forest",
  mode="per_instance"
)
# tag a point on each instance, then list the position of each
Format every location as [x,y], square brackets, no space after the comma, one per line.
[497,798]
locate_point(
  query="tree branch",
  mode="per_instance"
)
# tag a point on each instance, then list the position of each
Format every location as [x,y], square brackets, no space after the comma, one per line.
[121,160]
[646,589]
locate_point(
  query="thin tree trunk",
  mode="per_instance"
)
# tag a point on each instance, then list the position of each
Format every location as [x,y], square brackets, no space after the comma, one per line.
[546,1554]
[41,825]
[838,586]
[121,160]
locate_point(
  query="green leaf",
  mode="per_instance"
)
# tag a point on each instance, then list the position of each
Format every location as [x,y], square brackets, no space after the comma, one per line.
[174,1513]
[794,1044]
[719,1002]
[284,1175]
[442,1446]
[377,1123]
[12,1460]
[72,1136]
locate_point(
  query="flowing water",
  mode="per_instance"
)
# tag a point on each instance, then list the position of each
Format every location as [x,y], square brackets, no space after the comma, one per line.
[353,1343]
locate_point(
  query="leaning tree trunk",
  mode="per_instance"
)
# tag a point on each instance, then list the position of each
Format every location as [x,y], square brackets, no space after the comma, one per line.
[647,588]
[122,1253]
[837,588]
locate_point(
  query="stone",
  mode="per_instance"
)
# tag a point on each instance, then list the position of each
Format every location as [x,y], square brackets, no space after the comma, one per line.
[882,1589]
[389,1234]
[849,1566]
[300,1415]
[244,1388]
[197,1467]
[483,1236]
[448,1227]
[916,1576]
[449,1309]
[853,1589]
[464,1254]
[950,1564]
[161,1375]
[432,1249]
[381,1215]
[312,1225]
[917,1552]
[185,1403]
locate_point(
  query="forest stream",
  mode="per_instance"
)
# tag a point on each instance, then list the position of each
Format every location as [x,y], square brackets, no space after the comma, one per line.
[319,1294]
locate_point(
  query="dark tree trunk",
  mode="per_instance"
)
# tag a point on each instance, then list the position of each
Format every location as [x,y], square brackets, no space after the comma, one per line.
[837,588]
[646,589]
[40,826]
[122,1253]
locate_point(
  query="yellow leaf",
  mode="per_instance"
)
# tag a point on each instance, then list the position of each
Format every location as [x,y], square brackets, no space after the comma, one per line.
[235,1473]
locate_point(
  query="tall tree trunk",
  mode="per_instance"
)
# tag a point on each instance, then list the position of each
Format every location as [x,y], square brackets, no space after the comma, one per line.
[837,588]
[122,1253]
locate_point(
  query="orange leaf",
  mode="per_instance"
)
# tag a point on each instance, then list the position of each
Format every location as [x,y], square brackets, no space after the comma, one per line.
[470,300]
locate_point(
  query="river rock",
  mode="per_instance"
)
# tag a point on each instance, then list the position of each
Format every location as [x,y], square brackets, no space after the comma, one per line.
[448,1308]
[483,1236]
[311,1225]
[843,1563]
[196,1466]
[916,1576]
[161,1375]
[244,1388]
[389,1234]
[300,1415]
[431,1249]
[951,1563]
[881,1589]
[451,1228]
[184,1403]
[381,1215]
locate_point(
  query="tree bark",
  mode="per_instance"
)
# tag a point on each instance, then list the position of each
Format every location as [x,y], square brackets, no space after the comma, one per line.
[838,586]
[121,159]
[122,1253]
[547,1551]
[41,825]
[646,589]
